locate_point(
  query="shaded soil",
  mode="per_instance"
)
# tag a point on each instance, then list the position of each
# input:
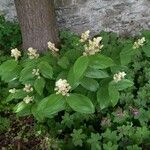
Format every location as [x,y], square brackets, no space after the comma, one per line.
[20,135]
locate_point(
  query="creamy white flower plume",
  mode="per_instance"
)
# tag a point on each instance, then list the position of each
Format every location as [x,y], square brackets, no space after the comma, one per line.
[32,53]
[15,53]
[139,43]
[35,72]
[62,87]
[52,47]
[84,36]
[119,76]
[93,47]
[28,88]
[13,91]
[28,99]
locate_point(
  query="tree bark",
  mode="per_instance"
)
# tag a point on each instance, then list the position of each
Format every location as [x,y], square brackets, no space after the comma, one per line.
[38,23]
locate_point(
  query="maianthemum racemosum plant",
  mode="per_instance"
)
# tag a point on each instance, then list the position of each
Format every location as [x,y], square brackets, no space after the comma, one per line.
[78,77]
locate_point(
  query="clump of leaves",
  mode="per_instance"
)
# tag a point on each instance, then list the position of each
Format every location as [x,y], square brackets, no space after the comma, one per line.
[10,35]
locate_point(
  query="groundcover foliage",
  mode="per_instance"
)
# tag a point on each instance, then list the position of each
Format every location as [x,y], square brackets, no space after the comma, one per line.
[89,94]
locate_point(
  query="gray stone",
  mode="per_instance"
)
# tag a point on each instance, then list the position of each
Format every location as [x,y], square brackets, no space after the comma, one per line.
[121,16]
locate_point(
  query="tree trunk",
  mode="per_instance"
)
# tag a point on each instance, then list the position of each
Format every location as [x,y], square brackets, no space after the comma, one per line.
[38,23]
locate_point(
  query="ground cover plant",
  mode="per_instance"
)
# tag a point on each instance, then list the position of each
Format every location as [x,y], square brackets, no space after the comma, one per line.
[91,93]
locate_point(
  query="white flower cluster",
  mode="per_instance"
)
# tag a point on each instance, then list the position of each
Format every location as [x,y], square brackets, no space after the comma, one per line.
[32,53]
[139,43]
[62,87]
[28,99]
[12,91]
[93,47]
[52,47]
[35,72]
[119,76]
[28,88]
[15,53]
[84,36]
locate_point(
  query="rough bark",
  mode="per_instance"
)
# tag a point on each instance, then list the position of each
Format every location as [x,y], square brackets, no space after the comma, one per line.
[37,22]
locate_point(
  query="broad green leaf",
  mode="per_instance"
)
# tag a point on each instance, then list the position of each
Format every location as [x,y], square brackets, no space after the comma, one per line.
[8,66]
[113,94]
[115,69]
[46,69]
[100,61]
[36,114]
[9,70]
[19,107]
[80,103]
[26,111]
[63,62]
[51,105]
[20,94]
[95,73]
[26,74]
[72,80]
[39,85]
[126,54]
[90,84]
[103,94]
[12,75]
[80,66]
[123,84]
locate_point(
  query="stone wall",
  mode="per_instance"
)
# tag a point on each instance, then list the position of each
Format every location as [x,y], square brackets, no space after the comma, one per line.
[121,16]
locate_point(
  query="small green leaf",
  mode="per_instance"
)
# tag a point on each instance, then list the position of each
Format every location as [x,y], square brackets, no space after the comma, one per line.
[126,54]
[113,94]
[103,94]
[26,74]
[19,107]
[80,66]
[90,84]
[51,105]
[80,103]
[100,61]
[20,94]
[72,80]
[46,69]
[123,84]
[63,62]
[39,85]
[95,73]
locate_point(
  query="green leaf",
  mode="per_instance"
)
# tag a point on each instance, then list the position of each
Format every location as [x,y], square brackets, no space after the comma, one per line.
[113,94]
[51,105]
[19,107]
[123,84]
[103,94]
[26,111]
[80,66]
[39,85]
[46,69]
[9,70]
[95,73]
[63,62]
[146,49]
[26,74]
[126,54]
[100,61]
[80,103]
[8,66]
[72,80]
[90,84]
[20,94]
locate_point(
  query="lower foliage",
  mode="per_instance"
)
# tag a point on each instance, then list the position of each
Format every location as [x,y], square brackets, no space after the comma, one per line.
[86,96]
